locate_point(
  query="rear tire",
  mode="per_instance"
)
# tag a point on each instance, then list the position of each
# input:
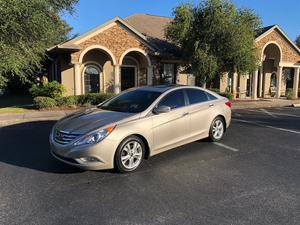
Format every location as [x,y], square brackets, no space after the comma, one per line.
[129,154]
[217,129]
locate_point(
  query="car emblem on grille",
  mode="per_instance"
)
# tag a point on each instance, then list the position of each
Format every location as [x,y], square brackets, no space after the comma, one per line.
[58,135]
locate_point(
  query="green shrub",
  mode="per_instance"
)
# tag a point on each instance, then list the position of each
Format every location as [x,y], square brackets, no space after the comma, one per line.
[68,101]
[226,95]
[215,90]
[44,102]
[52,89]
[93,98]
[289,93]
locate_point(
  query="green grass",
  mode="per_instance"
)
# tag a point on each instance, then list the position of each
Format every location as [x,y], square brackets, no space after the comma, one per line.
[16,104]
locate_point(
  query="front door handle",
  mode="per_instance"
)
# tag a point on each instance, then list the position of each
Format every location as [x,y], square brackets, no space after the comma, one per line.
[185,114]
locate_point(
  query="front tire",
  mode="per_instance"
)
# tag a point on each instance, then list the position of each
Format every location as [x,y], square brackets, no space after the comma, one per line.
[129,154]
[217,129]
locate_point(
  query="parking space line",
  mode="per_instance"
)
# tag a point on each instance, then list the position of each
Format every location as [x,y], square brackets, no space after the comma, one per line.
[226,146]
[273,114]
[268,113]
[267,126]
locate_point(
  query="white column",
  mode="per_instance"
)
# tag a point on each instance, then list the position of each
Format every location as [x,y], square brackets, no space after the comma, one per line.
[254,85]
[117,79]
[149,75]
[278,81]
[261,76]
[223,82]
[234,84]
[77,79]
[296,82]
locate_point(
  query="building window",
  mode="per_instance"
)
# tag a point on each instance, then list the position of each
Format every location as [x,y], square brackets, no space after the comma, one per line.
[168,74]
[91,79]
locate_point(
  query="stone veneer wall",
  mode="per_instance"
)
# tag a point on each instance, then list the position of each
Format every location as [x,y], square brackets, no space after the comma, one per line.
[289,54]
[117,39]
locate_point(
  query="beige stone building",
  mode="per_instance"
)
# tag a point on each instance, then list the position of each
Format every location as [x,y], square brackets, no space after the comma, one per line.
[130,52]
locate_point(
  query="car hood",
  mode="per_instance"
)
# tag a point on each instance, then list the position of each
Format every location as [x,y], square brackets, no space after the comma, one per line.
[91,119]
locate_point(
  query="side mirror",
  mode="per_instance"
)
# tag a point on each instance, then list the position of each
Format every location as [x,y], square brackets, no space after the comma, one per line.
[161,109]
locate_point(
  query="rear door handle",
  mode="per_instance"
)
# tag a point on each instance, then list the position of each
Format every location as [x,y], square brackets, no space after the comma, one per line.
[185,114]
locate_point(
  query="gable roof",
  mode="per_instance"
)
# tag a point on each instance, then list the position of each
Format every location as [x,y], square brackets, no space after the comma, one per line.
[267,30]
[73,44]
[153,27]
[148,28]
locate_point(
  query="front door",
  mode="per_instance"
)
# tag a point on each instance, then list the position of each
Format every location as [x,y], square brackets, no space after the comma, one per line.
[127,78]
[172,127]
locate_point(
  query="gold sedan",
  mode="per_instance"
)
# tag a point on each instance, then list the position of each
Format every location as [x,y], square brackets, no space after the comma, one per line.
[137,124]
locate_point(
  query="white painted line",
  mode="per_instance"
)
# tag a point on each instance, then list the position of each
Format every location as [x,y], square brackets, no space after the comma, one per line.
[274,114]
[226,146]
[268,113]
[272,127]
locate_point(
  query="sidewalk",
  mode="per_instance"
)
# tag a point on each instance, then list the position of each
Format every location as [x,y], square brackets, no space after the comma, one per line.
[13,118]
[262,103]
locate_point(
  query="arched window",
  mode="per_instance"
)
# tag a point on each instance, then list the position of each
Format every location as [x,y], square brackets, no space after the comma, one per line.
[91,79]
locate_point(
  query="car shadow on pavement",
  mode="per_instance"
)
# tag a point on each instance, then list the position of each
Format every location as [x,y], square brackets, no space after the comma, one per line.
[26,145]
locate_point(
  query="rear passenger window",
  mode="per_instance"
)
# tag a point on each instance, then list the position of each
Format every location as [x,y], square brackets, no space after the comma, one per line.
[197,96]
[174,100]
[210,96]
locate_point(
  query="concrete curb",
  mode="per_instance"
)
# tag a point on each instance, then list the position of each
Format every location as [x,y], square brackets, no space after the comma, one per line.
[16,118]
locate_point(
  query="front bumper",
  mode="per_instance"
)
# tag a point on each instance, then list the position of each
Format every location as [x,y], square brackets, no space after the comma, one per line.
[104,152]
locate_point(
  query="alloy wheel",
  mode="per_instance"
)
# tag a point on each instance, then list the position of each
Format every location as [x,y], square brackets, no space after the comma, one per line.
[218,129]
[131,155]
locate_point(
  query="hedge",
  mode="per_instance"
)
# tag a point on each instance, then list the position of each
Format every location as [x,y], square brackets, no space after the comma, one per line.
[289,93]
[93,98]
[68,101]
[224,94]
[42,102]
[51,89]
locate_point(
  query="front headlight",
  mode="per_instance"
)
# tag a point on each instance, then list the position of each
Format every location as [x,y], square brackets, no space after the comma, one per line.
[95,137]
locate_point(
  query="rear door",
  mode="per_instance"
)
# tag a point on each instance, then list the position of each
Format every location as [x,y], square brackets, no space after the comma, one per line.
[173,127]
[200,107]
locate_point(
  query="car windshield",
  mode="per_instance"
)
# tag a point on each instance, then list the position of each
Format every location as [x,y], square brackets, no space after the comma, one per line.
[133,101]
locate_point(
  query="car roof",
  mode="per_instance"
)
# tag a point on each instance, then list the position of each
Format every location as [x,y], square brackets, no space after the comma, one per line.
[160,88]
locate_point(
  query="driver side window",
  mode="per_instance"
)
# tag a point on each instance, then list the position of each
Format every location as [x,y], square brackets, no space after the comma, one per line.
[174,100]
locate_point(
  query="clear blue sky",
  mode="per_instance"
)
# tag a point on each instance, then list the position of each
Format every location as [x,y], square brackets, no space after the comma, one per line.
[91,13]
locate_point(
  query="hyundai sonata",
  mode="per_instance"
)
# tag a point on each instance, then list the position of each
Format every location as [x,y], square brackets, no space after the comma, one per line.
[139,123]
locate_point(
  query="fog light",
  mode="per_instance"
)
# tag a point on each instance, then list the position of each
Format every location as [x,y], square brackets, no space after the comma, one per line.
[89,159]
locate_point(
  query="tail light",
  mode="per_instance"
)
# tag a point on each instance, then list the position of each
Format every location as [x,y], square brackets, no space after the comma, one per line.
[228,103]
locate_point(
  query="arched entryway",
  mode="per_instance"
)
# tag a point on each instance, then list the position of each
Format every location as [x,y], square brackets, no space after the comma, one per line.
[97,70]
[271,58]
[135,69]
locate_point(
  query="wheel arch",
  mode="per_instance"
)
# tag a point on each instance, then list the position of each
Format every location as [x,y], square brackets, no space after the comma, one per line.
[147,147]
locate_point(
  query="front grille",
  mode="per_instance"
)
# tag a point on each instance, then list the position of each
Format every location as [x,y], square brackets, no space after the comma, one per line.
[63,137]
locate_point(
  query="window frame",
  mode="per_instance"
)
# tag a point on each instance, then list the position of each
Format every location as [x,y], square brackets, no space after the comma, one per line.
[206,93]
[164,96]
[173,75]
[99,68]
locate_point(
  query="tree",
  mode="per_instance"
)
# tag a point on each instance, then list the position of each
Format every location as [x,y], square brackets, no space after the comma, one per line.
[215,37]
[28,28]
[298,41]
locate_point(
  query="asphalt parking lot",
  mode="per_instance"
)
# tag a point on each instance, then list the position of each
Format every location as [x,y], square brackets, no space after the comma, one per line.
[251,177]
